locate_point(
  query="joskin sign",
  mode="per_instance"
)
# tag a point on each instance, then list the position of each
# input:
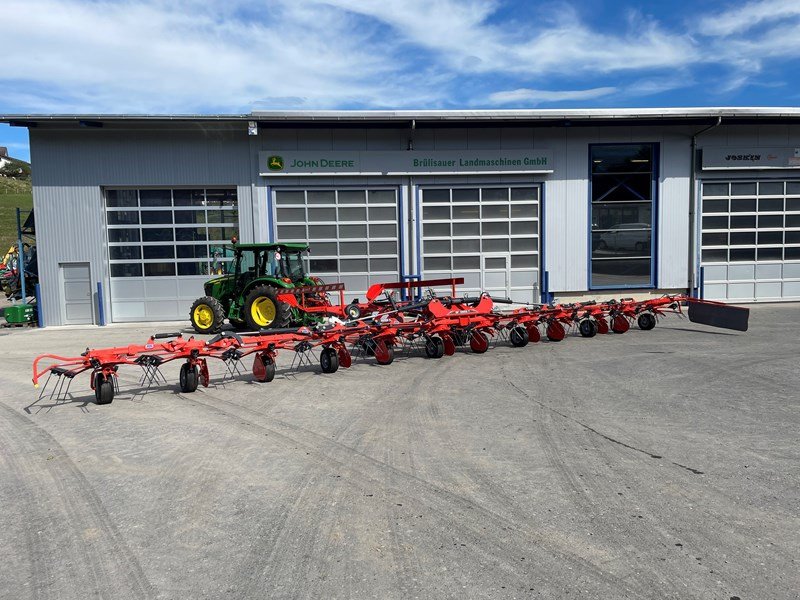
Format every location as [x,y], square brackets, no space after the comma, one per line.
[725,158]
[412,162]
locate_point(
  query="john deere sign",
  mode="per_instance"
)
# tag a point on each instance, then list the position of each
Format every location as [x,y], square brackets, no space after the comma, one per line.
[414,162]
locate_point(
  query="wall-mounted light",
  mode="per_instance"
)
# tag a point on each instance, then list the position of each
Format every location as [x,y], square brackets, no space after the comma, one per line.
[252,128]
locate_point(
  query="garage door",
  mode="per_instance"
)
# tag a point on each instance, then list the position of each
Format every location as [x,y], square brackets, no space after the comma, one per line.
[487,235]
[750,240]
[352,232]
[163,244]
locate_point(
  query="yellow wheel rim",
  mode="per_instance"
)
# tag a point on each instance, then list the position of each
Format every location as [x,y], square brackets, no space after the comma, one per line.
[203,316]
[263,311]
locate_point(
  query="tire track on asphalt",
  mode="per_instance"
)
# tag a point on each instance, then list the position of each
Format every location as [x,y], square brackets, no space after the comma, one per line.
[457,511]
[106,560]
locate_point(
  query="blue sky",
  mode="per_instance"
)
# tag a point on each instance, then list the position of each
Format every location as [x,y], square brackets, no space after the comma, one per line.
[231,56]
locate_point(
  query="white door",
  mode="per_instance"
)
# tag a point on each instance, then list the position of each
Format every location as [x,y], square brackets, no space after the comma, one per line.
[77,285]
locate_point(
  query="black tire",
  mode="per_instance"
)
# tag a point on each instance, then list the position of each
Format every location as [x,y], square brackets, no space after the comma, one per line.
[269,369]
[189,378]
[207,315]
[352,311]
[646,321]
[519,337]
[434,347]
[283,312]
[103,389]
[329,360]
[588,328]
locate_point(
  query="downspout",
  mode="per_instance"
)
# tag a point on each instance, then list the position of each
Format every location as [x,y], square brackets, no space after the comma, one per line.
[693,202]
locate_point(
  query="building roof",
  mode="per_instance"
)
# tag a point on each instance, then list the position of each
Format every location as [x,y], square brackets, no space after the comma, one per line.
[429,118]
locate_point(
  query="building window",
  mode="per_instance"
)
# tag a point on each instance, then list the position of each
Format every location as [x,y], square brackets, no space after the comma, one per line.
[161,232]
[623,193]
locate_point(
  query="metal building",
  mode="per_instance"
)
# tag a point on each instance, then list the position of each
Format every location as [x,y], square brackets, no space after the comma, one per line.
[532,204]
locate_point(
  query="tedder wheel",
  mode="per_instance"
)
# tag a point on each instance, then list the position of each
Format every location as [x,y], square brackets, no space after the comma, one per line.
[619,324]
[588,328]
[479,343]
[189,377]
[103,389]
[646,321]
[555,332]
[263,310]
[385,358]
[434,347]
[329,360]
[263,368]
[352,311]
[519,337]
[207,315]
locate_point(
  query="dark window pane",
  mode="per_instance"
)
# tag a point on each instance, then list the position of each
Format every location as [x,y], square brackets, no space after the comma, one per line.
[622,158]
[792,220]
[438,247]
[159,251]
[715,256]
[500,228]
[793,187]
[192,268]
[436,195]
[607,273]
[383,264]
[126,270]
[792,253]
[436,263]
[770,188]
[621,242]
[188,197]
[190,216]
[428,229]
[223,216]
[322,232]
[435,212]
[524,227]
[495,245]
[715,189]
[291,214]
[320,215]
[354,265]
[352,214]
[190,234]
[621,188]
[121,198]
[291,232]
[386,247]
[123,217]
[715,239]
[323,265]
[157,235]
[156,217]
[743,205]
[466,195]
[608,216]
[743,254]
[155,197]
[770,237]
[493,195]
[159,269]
[221,234]
[351,196]
[466,262]
[715,206]
[221,198]
[770,254]
[524,194]
[124,252]
[192,251]
[352,231]
[381,197]
[282,197]
[793,237]
[524,261]
[793,204]
[524,211]
[743,238]
[743,222]
[770,221]
[743,189]
[524,244]
[770,204]
[123,235]
[465,229]
[321,197]
[718,222]
[488,211]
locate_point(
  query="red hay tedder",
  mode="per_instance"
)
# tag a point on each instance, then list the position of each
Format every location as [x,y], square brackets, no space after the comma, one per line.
[379,327]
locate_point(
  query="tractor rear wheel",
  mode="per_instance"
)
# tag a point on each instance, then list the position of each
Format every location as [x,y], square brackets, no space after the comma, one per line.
[329,360]
[207,315]
[263,310]
[103,389]
[646,321]
[189,378]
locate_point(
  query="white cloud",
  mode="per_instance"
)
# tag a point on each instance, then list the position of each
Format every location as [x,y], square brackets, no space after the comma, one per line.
[747,16]
[533,97]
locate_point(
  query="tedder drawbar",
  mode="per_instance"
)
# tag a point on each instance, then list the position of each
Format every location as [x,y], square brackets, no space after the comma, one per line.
[379,327]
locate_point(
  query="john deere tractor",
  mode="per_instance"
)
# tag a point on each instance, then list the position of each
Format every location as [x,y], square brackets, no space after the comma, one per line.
[247,296]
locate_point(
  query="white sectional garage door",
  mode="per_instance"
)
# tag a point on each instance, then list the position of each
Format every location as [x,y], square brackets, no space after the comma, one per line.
[489,235]
[163,244]
[352,232]
[750,240]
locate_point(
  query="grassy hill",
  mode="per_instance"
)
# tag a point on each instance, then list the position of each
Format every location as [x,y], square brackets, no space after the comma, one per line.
[13,193]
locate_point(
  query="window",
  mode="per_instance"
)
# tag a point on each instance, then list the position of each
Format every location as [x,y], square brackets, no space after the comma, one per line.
[623,194]
[161,232]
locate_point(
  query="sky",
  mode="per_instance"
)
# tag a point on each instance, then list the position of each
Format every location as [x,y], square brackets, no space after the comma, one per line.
[234,56]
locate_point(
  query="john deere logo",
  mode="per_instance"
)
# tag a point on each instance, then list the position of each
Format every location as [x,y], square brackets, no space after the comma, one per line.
[275,163]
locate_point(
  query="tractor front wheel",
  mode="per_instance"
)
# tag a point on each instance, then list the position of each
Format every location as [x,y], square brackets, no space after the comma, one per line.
[207,315]
[263,310]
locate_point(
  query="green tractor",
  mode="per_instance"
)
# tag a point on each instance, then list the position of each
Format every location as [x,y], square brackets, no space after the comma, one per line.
[247,296]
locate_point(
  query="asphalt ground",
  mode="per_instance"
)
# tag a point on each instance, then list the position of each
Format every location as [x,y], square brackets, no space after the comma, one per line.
[661,464]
